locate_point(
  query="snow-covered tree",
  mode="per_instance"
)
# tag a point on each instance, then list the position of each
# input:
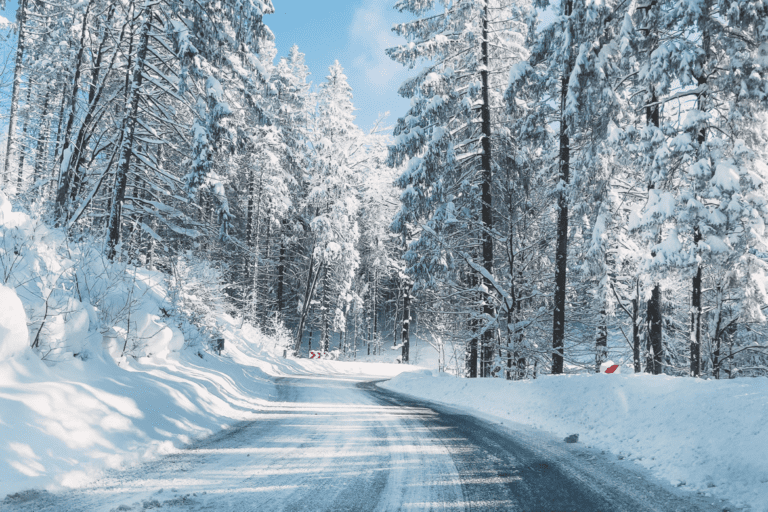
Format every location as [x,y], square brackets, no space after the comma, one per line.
[332,203]
[445,144]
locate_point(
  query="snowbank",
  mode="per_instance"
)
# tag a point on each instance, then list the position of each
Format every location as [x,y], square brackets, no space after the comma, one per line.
[708,436]
[14,337]
[62,425]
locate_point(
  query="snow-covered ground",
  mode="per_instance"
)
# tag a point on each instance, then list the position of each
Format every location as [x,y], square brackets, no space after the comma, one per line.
[707,436]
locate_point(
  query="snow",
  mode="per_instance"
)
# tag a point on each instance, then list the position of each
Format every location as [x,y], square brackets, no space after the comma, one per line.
[661,206]
[726,176]
[717,245]
[14,338]
[704,435]
[694,118]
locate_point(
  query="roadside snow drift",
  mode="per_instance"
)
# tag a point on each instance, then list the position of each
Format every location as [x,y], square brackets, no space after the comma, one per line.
[708,436]
[64,424]
[14,337]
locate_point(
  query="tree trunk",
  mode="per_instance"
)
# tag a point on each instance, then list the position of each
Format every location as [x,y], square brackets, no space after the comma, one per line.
[561,252]
[653,307]
[636,329]
[281,272]
[471,355]
[656,349]
[42,144]
[249,214]
[601,341]
[310,291]
[58,143]
[487,203]
[406,339]
[129,127]
[150,250]
[374,300]
[22,145]
[718,331]
[696,316]
[697,235]
[84,132]
[21,19]
[264,310]
[65,178]
[324,307]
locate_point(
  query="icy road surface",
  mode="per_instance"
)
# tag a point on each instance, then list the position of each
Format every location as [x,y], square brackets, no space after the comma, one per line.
[341,444]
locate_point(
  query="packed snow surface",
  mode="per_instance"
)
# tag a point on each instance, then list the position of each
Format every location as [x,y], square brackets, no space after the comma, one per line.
[709,436]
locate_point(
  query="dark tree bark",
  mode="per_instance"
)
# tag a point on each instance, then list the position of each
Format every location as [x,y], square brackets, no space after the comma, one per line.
[406,332]
[696,316]
[42,143]
[150,249]
[373,280]
[22,145]
[636,329]
[86,128]
[126,152]
[325,342]
[601,341]
[59,132]
[653,307]
[471,355]
[561,252]
[21,19]
[486,359]
[250,212]
[65,178]
[308,294]
[655,361]
[281,272]
[701,138]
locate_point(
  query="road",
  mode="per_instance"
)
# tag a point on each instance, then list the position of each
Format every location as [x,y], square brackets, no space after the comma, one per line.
[340,444]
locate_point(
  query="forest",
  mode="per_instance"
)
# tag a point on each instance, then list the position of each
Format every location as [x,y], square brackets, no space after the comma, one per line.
[573,183]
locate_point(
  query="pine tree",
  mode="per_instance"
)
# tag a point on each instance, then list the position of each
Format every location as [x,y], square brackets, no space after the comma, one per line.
[445,143]
[332,203]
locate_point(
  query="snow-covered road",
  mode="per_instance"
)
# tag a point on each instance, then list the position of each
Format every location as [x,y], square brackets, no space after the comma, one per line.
[339,443]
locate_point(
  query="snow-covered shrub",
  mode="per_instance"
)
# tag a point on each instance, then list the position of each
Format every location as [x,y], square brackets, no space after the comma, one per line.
[77,302]
[281,336]
[34,265]
[196,296]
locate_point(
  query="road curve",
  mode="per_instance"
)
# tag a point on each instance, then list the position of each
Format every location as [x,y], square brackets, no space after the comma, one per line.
[338,444]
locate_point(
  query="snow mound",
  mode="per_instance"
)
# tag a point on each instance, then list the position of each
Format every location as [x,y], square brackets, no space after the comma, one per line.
[14,338]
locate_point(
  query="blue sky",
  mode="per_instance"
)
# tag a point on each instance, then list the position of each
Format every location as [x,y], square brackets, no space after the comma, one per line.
[356,32]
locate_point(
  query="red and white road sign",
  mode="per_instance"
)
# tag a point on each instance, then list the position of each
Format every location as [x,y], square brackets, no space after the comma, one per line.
[612,368]
[317,354]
